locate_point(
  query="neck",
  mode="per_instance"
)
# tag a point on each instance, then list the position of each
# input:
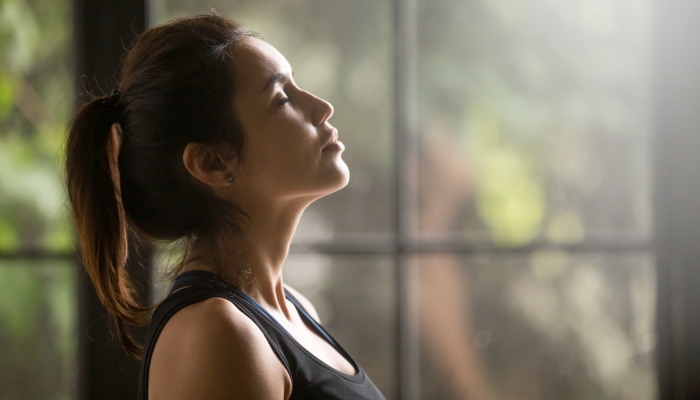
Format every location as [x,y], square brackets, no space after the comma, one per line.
[256,266]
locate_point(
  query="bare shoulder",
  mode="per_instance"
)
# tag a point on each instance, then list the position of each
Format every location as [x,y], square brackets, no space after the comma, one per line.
[211,350]
[304,302]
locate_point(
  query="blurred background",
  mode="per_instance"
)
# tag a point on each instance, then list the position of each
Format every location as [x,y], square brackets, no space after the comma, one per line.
[500,237]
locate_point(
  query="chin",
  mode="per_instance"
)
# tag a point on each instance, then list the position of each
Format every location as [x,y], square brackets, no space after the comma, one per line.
[342,177]
[335,179]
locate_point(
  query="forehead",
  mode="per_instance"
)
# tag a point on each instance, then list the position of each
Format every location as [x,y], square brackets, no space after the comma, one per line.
[255,62]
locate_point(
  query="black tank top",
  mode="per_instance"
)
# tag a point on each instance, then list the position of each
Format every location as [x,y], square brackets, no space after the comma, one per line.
[311,378]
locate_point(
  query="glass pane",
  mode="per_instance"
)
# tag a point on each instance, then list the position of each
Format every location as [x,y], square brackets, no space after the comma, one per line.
[534,120]
[36,97]
[548,325]
[38,338]
[341,51]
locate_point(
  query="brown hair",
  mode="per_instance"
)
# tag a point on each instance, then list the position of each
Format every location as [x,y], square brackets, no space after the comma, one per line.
[124,168]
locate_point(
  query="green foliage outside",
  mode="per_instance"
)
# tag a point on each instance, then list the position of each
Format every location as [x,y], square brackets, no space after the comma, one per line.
[36,97]
[38,344]
[38,303]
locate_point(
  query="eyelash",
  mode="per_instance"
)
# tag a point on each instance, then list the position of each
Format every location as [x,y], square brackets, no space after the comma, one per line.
[283,101]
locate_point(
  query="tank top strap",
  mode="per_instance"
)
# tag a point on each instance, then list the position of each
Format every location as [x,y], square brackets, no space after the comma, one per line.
[312,379]
[165,310]
[196,286]
[313,324]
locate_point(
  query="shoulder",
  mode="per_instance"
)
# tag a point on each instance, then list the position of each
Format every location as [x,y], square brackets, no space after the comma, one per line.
[304,302]
[211,350]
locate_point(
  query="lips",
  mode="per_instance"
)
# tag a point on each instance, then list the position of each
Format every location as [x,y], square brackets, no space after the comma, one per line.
[333,140]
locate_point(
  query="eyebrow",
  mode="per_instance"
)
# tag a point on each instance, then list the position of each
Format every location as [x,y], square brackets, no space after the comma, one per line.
[277,78]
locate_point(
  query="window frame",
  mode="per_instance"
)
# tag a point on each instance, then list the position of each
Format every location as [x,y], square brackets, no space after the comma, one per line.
[676,195]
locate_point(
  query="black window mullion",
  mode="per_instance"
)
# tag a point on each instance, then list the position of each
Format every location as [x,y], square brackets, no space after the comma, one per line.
[404,165]
[676,84]
[464,247]
[101,31]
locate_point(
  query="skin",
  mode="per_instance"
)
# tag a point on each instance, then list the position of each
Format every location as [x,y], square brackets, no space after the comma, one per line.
[210,350]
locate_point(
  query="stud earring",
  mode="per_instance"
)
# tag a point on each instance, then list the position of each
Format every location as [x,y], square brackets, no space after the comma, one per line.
[230,179]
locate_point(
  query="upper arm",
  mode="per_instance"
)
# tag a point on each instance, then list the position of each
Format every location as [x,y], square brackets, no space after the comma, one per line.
[211,350]
[304,302]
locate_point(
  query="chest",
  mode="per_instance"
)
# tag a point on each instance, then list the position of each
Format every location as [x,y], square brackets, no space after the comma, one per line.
[310,340]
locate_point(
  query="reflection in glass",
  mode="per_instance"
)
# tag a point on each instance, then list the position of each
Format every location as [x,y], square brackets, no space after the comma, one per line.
[548,325]
[534,120]
[38,340]
[341,51]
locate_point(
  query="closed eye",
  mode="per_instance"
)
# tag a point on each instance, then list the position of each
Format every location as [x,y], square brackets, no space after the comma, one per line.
[283,101]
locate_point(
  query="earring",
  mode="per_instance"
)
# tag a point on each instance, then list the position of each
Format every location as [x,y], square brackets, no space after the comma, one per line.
[230,179]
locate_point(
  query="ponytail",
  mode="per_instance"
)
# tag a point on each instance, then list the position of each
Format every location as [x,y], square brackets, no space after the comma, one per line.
[94,191]
[124,169]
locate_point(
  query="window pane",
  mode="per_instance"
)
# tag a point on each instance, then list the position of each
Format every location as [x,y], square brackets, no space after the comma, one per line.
[36,96]
[341,51]
[38,340]
[547,325]
[534,120]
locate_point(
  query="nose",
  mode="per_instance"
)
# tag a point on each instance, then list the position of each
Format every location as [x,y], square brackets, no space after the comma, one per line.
[321,110]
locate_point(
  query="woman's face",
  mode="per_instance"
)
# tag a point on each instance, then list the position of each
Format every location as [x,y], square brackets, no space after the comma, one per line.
[289,150]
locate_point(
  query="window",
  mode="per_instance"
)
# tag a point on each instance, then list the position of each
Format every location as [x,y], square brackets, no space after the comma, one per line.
[38,313]
[497,238]
[532,157]
[520,180]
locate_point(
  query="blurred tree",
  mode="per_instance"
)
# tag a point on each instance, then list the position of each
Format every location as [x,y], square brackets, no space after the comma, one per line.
[36,97]
[37,306]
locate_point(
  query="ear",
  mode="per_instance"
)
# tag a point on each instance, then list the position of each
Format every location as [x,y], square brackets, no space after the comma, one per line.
[206,164]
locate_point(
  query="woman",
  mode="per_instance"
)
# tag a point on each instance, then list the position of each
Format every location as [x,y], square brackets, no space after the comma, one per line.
[208,141]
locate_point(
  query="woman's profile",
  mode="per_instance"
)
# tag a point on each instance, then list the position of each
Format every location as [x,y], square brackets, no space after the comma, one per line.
[207,142]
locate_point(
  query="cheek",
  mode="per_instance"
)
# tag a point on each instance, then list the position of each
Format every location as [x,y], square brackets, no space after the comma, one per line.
[294,156]
[280,158]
